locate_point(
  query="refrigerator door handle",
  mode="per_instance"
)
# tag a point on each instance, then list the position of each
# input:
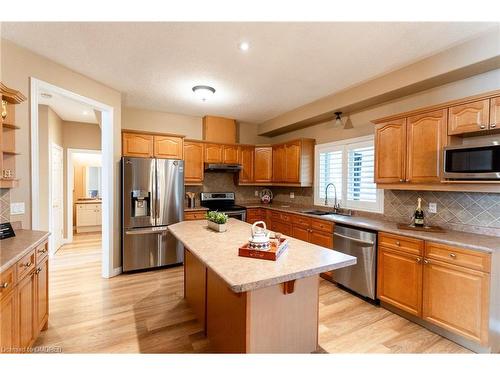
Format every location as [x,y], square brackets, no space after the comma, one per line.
[154,230]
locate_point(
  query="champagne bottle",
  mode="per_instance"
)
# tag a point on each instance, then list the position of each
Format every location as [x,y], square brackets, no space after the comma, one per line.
[419,214]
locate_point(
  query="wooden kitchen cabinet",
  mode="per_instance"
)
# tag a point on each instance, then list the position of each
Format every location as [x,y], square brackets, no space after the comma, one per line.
[193,162]
[42,294]
[293,151]
[195,215]
[246,175]
[390,152]
[426,137]
[88,217]
[168,147]
[213,153]
[469,117]
[26,291]
[399,280]
[137,145]
[263,170]
[457,299]
[293,162]
[495,113]
[321,238]
[279,163]
[9,321]
[230,154]
[219,129]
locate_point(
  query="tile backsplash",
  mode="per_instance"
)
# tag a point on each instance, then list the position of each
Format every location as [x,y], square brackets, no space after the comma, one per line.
[4,205]
[469,212]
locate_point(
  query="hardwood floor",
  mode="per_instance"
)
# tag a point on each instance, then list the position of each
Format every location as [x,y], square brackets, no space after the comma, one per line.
[146,313]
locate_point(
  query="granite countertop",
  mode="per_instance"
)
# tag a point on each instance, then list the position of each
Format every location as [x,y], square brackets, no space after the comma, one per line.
[14,248]
[471,241]
[196,208]
[219,252]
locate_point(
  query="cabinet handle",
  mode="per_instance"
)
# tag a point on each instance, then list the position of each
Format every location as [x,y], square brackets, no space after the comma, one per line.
[4,285]
[398,243]
[426,261]
[482,127]
[407,180]
[493,126]
[418,260]
[28,264]
[43,251]
[38,270]
[453,255]
[401,180]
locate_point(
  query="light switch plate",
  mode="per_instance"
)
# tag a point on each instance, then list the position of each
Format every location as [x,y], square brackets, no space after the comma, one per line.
[433,208]
[17,208]
[292,195]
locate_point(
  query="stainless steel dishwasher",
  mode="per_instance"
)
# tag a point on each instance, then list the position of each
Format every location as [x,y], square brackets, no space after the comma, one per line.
[361,243]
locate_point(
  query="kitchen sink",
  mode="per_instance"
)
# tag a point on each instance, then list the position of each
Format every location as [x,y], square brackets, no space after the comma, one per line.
[340,211]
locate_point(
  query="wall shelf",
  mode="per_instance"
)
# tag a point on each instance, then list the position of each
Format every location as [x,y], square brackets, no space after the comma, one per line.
[9,183]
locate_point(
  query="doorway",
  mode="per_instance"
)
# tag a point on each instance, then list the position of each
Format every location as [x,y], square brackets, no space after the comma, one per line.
[56,198]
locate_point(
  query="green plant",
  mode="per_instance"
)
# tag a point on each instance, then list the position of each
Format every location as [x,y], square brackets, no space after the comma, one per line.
[217,217]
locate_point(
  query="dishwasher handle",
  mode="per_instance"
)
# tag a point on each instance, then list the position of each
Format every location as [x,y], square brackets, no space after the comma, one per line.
[368,243]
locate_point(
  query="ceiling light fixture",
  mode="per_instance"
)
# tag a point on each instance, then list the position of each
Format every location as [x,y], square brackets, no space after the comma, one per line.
[203,92]
[338,119]
[348,123]
[244,46]
[46,95]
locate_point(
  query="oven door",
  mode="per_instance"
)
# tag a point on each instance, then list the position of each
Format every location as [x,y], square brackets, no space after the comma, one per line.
[240,215]
[470,162]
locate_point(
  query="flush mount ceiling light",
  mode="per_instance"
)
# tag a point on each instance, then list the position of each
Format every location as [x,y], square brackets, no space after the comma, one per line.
[203,92]
[244,46]
[46,95]
[338,119]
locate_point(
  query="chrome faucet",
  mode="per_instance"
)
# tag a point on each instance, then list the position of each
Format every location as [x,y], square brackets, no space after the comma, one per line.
[336,205]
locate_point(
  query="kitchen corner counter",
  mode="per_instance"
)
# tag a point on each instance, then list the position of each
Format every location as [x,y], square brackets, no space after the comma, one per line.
[219,252]
[13,249]
[471,241]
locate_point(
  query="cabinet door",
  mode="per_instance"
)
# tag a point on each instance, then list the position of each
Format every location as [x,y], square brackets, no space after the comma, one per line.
[42,294]
[457,299]
[247,164]
[98,215]
[26,297]
[399,280]
[390,151]
[283,228]
[321,238]
[9,321]
[193,162]
[292,162]
[168,147]
[468,118]
[300,233]
[85,215]
[279,163]
[137,145]
[263,164]
[426,137]
[230,154]
[495,113]
[213,153]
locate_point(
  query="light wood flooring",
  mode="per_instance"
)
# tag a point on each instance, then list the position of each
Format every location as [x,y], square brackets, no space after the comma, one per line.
[146,313]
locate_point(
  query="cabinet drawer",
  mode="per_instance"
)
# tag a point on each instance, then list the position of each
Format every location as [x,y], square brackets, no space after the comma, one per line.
[280,216]
[283,228]
[409,245]
[321,239]
[41,252]
[460,257]
[301,221]
[322,225]
[25,265]
[7,281]
[195,215]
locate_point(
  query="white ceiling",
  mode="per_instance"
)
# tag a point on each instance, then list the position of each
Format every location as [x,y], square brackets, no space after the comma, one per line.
[67,109]
[155,65]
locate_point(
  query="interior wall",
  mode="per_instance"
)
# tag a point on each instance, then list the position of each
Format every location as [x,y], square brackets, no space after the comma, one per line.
[18,65]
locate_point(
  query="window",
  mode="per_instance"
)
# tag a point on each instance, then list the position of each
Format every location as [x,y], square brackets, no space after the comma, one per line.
[350,166]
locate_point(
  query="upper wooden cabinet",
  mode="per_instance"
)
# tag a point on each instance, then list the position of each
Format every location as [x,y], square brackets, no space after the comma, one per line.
[263,164]
[219,129]
[137,145]
[390,152]
[213,153]
[293,162]
[246,174]
[168,147]
[426,137]
[230,154]
[279,163]
[469,117]
[495,113]
[193,162]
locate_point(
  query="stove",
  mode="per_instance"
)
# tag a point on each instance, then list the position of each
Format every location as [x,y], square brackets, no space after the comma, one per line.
[223,202]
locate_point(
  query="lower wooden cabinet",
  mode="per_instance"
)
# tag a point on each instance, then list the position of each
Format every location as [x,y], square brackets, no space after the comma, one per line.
[24,310]
[400,280]
[195,215]
[321,238]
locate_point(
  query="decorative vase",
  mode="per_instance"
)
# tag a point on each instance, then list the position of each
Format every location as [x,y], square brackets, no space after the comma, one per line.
[216,227]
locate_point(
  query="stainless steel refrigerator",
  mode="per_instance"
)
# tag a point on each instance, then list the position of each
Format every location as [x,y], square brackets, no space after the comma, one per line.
[152,199]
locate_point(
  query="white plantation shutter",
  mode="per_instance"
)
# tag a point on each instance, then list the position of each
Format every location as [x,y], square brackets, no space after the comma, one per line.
[350,165]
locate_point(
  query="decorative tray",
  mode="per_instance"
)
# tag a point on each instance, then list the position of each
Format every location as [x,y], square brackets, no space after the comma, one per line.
[426,228]
[272,254]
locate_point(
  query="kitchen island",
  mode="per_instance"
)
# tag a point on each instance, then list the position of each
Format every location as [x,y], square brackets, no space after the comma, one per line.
[251,305]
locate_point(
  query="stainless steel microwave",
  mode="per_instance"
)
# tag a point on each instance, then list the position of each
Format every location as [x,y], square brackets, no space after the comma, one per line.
[473,162]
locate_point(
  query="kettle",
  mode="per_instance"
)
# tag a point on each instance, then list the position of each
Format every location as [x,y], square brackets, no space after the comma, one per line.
[260,237]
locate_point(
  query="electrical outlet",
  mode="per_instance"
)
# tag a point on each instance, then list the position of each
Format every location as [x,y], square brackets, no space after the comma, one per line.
[292,195]
[17,208]
[433,208]
[256,193]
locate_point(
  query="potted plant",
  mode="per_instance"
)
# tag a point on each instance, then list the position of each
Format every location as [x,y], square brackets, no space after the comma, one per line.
[217,221]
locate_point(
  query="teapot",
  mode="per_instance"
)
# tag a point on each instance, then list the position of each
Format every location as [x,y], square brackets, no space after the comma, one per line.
[260,237]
